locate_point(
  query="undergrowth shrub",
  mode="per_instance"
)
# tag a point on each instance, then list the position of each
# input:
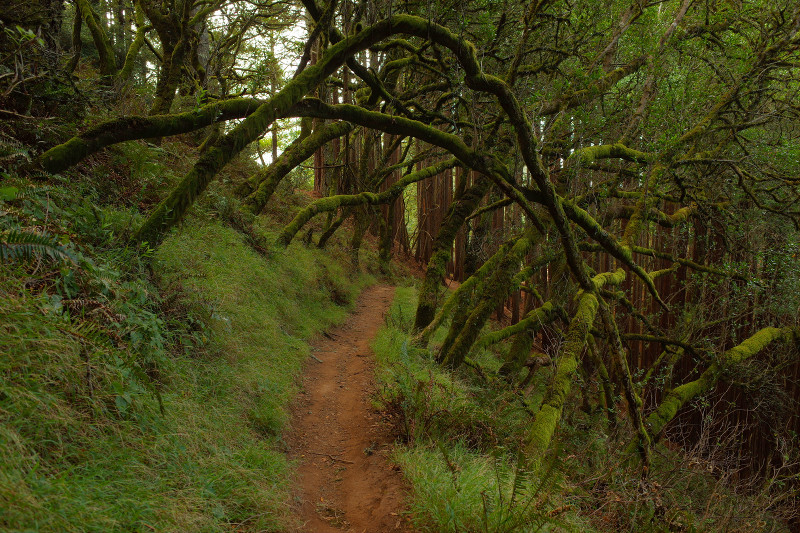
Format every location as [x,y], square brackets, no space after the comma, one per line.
[462,433]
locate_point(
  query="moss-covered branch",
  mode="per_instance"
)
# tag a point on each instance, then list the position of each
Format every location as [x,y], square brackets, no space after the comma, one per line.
[215,158]
[525,330]
[477,80]
[535,319]
[264,183]
[491,207]
[632,397]
[461,337]
[472,282]
[591,154]
[659,217]
[547,418]
[681,395]
[593,247]
[130,128]
[125,73]
[661,340]
[332,203]
[428,298]
[611,245]
[595,90]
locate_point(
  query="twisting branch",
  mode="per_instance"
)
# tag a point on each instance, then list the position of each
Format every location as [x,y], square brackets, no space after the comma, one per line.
[63,156]
[332,203]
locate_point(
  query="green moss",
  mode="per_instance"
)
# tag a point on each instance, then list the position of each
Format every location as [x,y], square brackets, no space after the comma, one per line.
[459,210]
[472,282]
[264,183]
[590,154]
[65,155]
[682,394]
[546,419]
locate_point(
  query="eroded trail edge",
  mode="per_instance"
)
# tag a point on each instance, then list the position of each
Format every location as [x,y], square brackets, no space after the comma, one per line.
[345,480]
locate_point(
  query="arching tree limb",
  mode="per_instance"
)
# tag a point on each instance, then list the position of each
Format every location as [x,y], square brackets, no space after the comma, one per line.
[459,340]
[131,128]
[681,395]
[265,182]
[472,282]
[172,209]
[332,203]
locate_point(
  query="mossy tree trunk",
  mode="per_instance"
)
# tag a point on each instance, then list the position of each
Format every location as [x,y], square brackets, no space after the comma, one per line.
[525,331]
[105,50]
[462,335]
[173,208]
[263,184]
[474,282]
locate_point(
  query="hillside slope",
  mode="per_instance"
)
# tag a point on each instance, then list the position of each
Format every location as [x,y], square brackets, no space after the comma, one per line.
[143,391]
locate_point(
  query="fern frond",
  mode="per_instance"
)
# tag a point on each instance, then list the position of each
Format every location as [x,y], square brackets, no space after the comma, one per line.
[16,245]
[92,333]
[92,307]
[38,190]
[11,148]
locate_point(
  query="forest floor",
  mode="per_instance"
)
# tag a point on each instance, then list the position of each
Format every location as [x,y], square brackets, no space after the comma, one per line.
[346,481]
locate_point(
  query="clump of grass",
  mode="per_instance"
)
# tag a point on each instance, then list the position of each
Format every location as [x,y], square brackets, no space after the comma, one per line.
[457,489]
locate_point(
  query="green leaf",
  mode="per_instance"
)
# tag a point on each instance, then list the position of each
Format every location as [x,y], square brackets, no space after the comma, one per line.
[8,193]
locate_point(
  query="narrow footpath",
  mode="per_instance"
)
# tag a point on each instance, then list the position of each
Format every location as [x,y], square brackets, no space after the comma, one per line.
[346,482]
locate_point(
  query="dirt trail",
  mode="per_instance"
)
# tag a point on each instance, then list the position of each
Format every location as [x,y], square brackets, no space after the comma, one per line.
[345,482]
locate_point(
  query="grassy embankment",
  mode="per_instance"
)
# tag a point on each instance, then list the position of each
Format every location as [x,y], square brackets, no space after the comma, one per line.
[94,347]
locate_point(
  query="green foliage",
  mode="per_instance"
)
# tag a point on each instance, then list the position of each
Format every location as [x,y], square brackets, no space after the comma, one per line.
[463,436]
[456,489]
[26,246]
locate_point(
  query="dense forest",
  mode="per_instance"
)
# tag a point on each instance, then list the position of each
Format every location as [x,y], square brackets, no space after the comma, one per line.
[601,200]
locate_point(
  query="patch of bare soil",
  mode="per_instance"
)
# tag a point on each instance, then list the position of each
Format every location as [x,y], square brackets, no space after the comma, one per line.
[346,482]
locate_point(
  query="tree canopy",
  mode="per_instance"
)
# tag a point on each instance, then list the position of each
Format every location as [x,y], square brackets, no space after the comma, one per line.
[623,172]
